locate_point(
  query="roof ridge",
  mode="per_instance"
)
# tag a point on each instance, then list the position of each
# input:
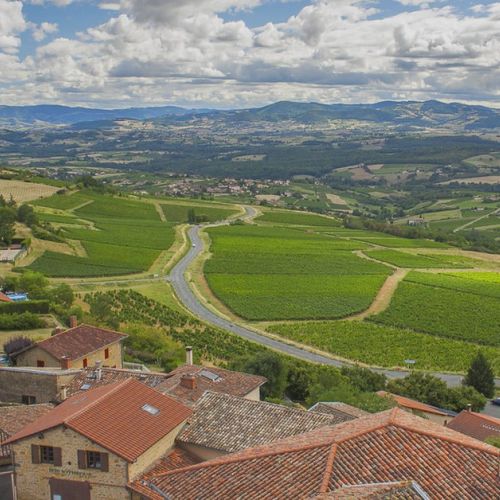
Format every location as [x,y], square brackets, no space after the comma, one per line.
[480,446]
[328,468]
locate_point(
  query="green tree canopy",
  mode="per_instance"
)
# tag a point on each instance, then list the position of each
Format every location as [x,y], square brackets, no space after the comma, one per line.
[7,225]
[481,376]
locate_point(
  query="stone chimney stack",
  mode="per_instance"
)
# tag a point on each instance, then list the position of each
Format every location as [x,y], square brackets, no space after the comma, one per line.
[57,330]
[469,407]
[189,355]
[98,370]
[188,381]
[65,363]
[64,393]
[73,322]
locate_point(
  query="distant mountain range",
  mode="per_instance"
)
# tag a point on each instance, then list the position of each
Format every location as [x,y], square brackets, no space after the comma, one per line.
[431,114]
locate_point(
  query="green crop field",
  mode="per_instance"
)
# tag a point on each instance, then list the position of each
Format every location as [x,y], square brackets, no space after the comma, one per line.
[179,213]
[63,202]
[444,312]
[408,260]
[385,346]
[395,242]
[126,236]
[296,218]
[268,273]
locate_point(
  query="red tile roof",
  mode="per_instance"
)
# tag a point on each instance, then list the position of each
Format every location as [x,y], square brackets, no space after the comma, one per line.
[14,418]
[412,404]
[113,417]
[476,425]
[79,341]
[225,382]
[385,447]
[342,410]
[5,298]
[400,490]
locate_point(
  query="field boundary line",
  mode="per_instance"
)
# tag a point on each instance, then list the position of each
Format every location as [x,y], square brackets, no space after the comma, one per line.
[472,222]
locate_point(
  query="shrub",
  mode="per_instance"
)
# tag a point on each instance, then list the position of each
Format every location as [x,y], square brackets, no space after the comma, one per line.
[23,321]
[33,306]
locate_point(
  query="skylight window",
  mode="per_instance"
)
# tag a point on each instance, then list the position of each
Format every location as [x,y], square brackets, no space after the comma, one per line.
[85,387]
[210,375]
[152,410]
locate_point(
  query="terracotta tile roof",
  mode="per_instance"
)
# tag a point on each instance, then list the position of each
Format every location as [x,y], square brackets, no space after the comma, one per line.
[113,417]
[14,418]
[229,423]
[412,404]
[76,342]
[210,379]
[5,298]
[92,377]
[399,490]
[476,425]
[342,410]
[386,447]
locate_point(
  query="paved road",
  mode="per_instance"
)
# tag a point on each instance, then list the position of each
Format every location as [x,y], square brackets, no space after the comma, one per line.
[191,302]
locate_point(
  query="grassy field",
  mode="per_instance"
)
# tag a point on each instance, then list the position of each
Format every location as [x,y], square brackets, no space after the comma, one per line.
[442,311]
[296,218]
[25,191]
[269,273]
[385,346]
[63,201]
[179,212]
[395,242]
[411,260]
[125,236]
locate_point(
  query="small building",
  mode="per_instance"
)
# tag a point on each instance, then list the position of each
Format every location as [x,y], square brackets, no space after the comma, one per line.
[28,385]
[78,347]
[93,444]
[476,425]
[434,414]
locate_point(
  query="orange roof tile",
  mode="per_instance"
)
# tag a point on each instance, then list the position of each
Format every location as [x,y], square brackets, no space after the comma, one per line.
[476,425]
[412,404]
[5,298]
[113,417]
[389,446]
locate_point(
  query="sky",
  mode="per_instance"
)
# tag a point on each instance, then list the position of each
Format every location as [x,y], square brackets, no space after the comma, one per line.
[245,53]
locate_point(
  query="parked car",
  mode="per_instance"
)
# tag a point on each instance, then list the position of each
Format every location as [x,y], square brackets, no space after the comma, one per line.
[496,401]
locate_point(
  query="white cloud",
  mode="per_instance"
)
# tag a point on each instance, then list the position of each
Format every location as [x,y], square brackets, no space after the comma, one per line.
[158,51]
[40,31]
[12,23]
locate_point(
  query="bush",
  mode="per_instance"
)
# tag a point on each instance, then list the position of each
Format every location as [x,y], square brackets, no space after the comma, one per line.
[32,306]
[23,321]
[15,345]
[481,376]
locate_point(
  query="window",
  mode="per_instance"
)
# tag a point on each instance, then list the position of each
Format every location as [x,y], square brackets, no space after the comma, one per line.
[152,410]
[46,454]
[93,460]
[85,362]
[28,400]
[40,363]
[106,353]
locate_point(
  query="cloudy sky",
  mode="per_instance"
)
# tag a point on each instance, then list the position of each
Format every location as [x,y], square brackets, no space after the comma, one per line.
[240,53]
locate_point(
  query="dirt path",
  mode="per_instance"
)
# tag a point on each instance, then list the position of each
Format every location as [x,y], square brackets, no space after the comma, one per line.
[465,226]
[160,211]
[384,296]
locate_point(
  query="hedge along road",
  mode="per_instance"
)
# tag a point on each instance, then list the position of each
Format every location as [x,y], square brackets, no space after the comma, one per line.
[183,291]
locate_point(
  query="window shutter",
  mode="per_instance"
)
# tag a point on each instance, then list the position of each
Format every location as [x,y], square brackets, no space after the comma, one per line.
[57,457]
[104,462]
[35,454]
[82,459]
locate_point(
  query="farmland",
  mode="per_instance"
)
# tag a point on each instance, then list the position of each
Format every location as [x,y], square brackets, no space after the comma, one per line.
[411,260]
[387,346]
[25,191]
[119,236]
[296,218]
[179,212]
[444,312]
[265,273]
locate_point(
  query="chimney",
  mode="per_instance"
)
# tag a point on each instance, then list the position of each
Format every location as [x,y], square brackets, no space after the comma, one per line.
[469,407]
[188,381]
[57,330]
[73,321]
[98,370]
[65,363]
[64,393]
[189,355]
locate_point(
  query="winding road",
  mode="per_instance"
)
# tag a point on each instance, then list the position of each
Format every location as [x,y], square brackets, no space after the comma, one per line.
[185,294]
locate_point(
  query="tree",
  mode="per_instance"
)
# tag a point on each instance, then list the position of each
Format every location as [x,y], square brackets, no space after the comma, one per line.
[191,216]
[7,225]
[34,284]
[101,308]
[272,367]
[62,295]
[459,398]
[15,345]
[422,387]
[26,215]
[364,379]
[481,376]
